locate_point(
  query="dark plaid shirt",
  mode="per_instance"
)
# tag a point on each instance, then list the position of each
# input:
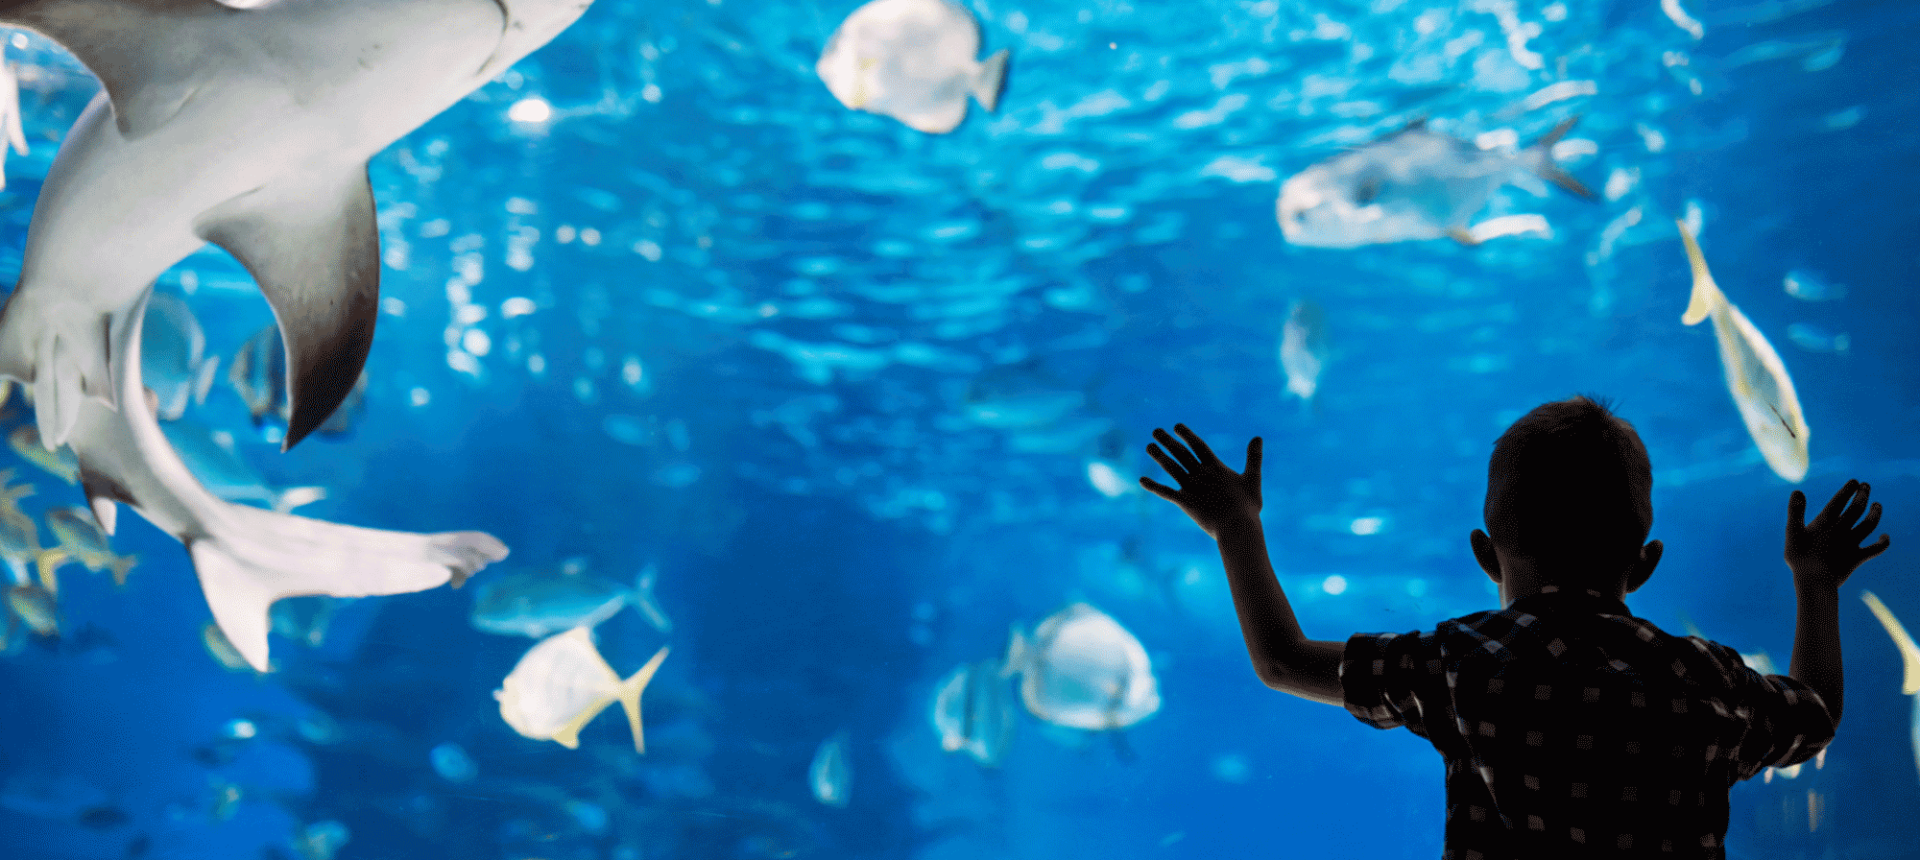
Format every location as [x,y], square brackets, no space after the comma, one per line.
[1572,729]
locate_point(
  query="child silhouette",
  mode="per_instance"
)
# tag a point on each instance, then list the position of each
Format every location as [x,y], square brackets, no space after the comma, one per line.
[1570,728]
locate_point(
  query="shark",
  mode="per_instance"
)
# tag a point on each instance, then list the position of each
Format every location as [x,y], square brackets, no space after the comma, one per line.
[249,128]
[246,558]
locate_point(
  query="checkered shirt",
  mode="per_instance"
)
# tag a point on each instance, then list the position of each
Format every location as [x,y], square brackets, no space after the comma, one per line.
[1572,729]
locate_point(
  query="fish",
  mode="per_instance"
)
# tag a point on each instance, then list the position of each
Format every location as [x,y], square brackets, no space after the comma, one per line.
[12,135]
[973,712]
[223,650]
[315,88]
[1303,348]
[1080,669]
[1021,396]
[82,540]
[913,60]
[215,461]
[1909,652]
[258,373]
[321,840]
[562,683]
[1810,286]
[37,606]
[1755,375]
[1411,185]
[58,462]
[831,773]
[537,605]
[246,558]
[19,534]
[174,360]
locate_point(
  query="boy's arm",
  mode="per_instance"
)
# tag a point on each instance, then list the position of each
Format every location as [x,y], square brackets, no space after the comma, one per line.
[1226,505]
[1283,657]
[1822,554]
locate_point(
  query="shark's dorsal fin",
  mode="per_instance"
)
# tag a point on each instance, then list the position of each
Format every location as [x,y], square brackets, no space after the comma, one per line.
[314,247]
[125,43]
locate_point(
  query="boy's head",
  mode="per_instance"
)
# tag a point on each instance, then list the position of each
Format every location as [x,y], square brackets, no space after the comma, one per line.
[1570,489]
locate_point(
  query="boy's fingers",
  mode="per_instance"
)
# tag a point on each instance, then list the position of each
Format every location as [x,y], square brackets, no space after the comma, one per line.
[1253,460]
[1856,505]
[1837,502]
[1174,469]
[1876,548]
[1797,510]
[1867,525]
[1199,445]
[1158,489]
[1178,450]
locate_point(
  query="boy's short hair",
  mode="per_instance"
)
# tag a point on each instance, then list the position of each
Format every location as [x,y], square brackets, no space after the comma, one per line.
[1569,486]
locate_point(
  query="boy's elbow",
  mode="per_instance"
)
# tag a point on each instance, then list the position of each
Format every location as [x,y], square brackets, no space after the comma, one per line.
[1274,675]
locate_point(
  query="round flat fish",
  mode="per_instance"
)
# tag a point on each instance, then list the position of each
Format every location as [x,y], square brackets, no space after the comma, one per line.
[554,683]
[913,60]
[973,712]
[1083,670]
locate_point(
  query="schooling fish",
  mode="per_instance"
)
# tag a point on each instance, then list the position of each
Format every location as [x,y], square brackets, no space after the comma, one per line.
[1412,184]
[536,605]
[251,129]
[82,540]
[1303,348]
[1082,670]
[562,683]
[37,607]
[174,360]
[1755,374]
[58,462]
[913,60]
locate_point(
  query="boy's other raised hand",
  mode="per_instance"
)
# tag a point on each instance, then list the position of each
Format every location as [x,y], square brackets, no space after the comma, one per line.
[1214,495]
[1826,551]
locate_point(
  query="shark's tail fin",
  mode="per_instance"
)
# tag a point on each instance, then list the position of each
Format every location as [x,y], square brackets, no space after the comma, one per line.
[630,690]
[255,557]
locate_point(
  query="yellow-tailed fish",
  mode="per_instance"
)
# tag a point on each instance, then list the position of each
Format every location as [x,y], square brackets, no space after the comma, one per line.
[60,463]
[82,540]
[1909,652]
[1755,374]
[37,607]
[562,683]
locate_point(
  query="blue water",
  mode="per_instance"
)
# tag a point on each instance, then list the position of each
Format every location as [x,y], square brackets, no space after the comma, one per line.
[760,372]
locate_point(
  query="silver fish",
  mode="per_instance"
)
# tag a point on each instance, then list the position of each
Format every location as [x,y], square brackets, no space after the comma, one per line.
[1410,185]
[973,712]
[831,773]
[1082,670]
[258,373]
[173,359]
[562,683]
[537,605]
[913,60]
[1303,348]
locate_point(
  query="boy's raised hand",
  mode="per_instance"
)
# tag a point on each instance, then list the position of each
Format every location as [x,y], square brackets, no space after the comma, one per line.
[1826,551]
[1213,494]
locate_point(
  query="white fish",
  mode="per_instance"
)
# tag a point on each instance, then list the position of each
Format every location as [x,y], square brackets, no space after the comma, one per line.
[1755,374]
[1082,670]
[12,136]
[1909,659]
[173,359]
[562,683]
[831,774]
[152,170]
[246,557]
[213,459]
[973,712]
[913,60]
[1410,185]
[1303,348]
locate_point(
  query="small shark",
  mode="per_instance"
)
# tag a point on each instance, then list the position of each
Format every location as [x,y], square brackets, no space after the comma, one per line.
[251,129]
[246,557]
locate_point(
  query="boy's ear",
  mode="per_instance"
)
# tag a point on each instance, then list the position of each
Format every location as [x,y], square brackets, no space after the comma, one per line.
[1649,559]
[1484,553]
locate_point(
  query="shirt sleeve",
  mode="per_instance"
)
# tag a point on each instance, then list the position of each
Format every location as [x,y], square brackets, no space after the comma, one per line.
[1380,674]
[1789,722]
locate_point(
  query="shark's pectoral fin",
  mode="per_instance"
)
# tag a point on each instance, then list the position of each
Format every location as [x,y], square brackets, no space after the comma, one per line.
[314,247]
[131,48]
